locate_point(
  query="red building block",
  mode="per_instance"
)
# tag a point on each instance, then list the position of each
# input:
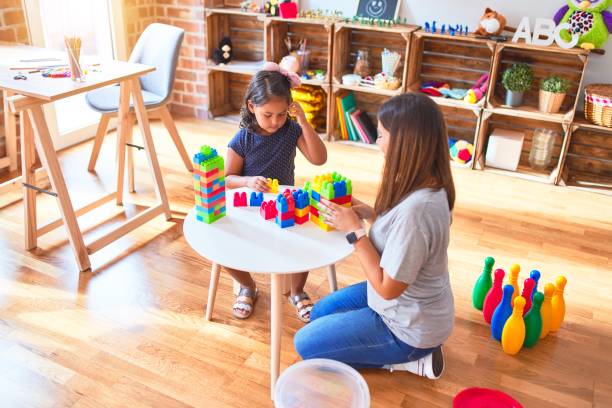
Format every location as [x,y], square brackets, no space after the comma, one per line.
[302,220]
[268,210]
[240,199]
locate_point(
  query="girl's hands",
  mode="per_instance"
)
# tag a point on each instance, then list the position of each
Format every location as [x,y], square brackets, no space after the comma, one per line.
[258,183]
[344,219]
[296,110]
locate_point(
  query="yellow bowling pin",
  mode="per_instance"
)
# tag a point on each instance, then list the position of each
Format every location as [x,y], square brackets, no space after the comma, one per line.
[558,304]
[546,310]
[513,280]
[513,335]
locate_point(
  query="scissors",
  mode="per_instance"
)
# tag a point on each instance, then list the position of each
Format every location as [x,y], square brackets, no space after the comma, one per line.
[20,76]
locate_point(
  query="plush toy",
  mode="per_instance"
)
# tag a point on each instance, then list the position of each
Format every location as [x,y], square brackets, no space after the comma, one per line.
[271,8]
[223,54]
[461,151]
[478,91]
[250,6]
[491,24]
[589,19]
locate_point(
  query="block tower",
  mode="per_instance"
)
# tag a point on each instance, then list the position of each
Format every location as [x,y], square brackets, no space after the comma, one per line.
[302,206]
[285,206]
[332,186]
[209,183]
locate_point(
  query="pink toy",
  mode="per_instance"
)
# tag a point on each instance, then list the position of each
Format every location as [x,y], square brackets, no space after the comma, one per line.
[478,91]
[494,296]
[268,210]
[240,199]
[527,289]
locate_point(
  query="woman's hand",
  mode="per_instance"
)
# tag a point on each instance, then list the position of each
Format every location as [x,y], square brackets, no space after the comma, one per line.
[296,110]
[258,183]
[344,219]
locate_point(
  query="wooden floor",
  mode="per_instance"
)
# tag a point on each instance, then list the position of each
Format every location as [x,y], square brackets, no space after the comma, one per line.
[132,333]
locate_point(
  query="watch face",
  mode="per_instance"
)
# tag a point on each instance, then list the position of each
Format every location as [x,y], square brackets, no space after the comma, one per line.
[351,238]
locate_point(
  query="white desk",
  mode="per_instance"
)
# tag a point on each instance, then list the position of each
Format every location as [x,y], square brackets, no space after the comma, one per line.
[243,240]
[27,98]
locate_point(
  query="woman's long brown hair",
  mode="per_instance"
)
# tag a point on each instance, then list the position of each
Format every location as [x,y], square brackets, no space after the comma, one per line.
[417,156]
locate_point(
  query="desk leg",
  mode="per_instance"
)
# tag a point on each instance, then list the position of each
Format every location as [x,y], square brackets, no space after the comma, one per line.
[124,122]
[145,131]
[331,278]
[275,332]
[10,133]
[49,159]
[215,272]
[130,154]
[28,157]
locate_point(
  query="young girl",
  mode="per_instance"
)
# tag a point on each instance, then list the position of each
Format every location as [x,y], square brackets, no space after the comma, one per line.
[263,148]
[400,316]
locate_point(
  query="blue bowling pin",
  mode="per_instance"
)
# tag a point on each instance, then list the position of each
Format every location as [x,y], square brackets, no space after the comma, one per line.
[502,313]
[535,275]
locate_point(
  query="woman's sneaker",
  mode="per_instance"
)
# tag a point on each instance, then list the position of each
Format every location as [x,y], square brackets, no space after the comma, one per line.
[430,366]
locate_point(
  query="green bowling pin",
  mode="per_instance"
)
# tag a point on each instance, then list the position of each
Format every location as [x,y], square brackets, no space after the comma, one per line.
[533,321]
[483,284]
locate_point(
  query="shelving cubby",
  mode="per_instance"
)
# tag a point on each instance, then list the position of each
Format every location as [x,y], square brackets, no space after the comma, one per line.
[588,163]
[462,124]
[544,61]
[457,60]
[492,120]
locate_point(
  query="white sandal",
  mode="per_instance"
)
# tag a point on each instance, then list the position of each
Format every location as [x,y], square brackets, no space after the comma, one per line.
[303,305]
[245,301]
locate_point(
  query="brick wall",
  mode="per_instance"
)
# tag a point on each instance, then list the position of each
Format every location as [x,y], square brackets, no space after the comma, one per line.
[13,29]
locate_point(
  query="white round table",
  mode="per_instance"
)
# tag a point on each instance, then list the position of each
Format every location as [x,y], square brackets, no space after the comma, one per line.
[243,240]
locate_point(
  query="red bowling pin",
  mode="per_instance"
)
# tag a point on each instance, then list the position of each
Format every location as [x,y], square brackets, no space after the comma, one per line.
[527,289]
[493,296]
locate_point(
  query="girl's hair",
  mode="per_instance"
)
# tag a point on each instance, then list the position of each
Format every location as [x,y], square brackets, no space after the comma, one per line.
[417,155]
[264,86]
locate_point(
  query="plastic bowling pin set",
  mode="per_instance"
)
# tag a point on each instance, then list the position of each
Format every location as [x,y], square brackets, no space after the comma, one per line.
[518,319]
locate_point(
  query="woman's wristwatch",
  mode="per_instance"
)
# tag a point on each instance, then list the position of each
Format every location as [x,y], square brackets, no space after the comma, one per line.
[353,237]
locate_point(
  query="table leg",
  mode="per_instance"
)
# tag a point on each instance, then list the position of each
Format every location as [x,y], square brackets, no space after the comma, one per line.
[49,159]
[28,157]
[10,133]
[145,131]
[331,278]
[130,154]
[275,332]
[124,121]
[215,272]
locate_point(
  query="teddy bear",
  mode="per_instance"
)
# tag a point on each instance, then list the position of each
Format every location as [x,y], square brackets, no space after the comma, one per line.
[223,54]
[491,24]
[589,19]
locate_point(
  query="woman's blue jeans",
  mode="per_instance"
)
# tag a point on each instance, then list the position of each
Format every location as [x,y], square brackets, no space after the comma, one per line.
[343,328]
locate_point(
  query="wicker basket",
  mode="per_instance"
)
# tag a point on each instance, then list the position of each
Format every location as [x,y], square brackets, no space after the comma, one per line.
[598,104]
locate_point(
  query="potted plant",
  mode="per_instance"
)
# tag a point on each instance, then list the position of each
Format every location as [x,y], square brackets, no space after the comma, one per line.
[517,79]
[552,93]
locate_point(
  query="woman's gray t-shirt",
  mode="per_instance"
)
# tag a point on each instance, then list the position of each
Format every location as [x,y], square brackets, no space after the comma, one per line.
[412,239]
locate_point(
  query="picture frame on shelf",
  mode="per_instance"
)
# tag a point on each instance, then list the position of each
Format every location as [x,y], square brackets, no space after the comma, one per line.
[379,9]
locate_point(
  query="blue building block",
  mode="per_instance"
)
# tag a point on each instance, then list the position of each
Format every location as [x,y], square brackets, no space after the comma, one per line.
[339,188]
[301,198]
[284,223]
[256,199]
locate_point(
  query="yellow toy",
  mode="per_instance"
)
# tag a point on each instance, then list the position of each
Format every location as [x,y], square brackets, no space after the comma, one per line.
[558,304]
[546,310]
[273,184]
[514,273]
[333,187]
[513,335]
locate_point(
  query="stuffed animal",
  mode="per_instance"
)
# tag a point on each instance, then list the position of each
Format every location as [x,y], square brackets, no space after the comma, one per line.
[223,54]
[491,24]
[478,91]
[589,19]
[250,6]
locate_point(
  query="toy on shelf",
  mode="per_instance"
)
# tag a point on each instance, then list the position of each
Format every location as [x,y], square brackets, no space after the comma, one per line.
[302,206]
[319,14]
[491,24]
[478,91]
[288,9]
[250,6]
[256,199]
[521,320]
[378,22]
[285,207]
[240,199]
[271,8]
[333,187]
[268,210]
[457,29]
[209,183]
[312,99]
[273,184]
[483,284]
[442,89]
[591,20]
[223,53]
[461,151]
[513,335]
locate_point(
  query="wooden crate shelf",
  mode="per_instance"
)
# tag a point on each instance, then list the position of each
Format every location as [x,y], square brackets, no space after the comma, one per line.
[457,60]
[588,163]
[319,35]
[544,61]
[226,92]
[349,38]
[492,120]
[228,7]
[462,124]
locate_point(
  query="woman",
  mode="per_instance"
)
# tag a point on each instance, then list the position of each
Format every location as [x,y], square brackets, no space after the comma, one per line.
[400,316]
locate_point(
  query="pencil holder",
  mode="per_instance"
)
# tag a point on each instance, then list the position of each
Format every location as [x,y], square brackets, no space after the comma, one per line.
[73,47]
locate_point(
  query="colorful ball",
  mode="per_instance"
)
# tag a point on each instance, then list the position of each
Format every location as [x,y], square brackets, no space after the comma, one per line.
[462,151]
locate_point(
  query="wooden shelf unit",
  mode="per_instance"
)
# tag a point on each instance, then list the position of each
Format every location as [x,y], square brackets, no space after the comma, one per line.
[491,120]
[545,61]
[588,162]
[369,102]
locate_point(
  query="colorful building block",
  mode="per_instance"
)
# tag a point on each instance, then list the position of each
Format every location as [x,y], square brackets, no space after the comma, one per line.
[268,210]
[285,206]
[256,199]
[273,184]
[240,199]
[209,185]
[333,187]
